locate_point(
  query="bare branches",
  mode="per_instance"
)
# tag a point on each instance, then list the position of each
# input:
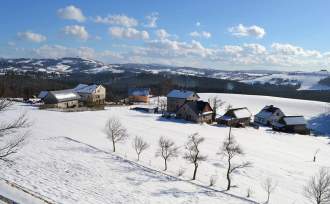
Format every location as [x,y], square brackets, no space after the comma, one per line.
[215,103]
[231,149]
[166,150]
[13,126]
[139,145]
[115,131]
[11,147]
[5,104]
[11,139]
[318,188]
[269,186]
[192,154]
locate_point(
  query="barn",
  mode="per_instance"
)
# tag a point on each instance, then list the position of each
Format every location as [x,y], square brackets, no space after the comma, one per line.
[139,95]
[196,111]
[176,98]
[62,99]
[236,117]
[292,124]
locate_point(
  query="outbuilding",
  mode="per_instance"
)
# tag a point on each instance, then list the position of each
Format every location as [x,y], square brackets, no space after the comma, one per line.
[292,124]
[236,117]
[62,99]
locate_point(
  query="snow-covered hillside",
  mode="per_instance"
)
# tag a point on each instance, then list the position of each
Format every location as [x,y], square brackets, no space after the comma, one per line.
[306,80]
[66,171]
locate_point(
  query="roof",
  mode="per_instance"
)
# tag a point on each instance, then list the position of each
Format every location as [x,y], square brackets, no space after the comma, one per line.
[198,106]
[138,91]
[42,94]
[65,95]
[294,120]
[180,94]
[241,112]
[84,88]
[267,111]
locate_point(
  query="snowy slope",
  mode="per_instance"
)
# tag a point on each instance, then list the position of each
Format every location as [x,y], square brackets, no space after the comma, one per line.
[65,170]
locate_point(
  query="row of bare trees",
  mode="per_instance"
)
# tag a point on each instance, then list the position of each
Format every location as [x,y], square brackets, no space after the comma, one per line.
[167,149]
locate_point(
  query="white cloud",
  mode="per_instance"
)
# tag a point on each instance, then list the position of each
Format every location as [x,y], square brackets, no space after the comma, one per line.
[152,20]
[121,20]
[72,13]
[76,31]
[204,34]
[162,34]
[198,23]
[245,31]
[288,49]
[129,33]
[31,36]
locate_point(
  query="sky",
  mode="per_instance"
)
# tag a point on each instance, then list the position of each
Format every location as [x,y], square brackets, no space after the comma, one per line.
[220,34]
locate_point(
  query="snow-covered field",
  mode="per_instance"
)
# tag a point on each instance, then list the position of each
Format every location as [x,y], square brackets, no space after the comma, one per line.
[53,164]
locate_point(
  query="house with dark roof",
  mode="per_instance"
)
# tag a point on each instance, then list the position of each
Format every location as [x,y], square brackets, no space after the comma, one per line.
[139,95]
[196,111]
[91,94]
[292,124]
[268,115]
[62,99]
[236,117]
[176,98]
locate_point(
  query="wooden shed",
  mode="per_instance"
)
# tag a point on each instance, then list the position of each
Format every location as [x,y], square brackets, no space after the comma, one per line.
[62,99]
[292,124]
[236,117]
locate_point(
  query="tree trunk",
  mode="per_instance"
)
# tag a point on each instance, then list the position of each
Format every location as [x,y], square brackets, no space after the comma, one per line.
[195,171]
[113,146]
[228,176]
[138,157]
[165,160]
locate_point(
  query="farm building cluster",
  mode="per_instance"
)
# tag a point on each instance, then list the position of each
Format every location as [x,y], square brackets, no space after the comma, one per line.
[81,95]
[182,104]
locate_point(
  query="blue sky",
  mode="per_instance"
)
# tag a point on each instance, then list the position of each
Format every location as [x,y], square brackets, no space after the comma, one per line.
[232,34]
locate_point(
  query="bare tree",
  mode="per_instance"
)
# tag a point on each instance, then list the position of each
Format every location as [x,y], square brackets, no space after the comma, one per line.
[192,154]
[231,149]
[228,107]
[162,104]
[249,192]
[215,103]
[12,135]
[315,154]
[269,186]
[139,145]
[166,150]
[318,188]
[115,131]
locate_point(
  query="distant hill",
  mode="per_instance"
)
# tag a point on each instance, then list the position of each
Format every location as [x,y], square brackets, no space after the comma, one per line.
[66,66]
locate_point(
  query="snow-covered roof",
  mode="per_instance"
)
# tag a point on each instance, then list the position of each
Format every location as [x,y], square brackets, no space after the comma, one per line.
[267,112]
[180,94]
[42,94]
[242,113]
[294,120]
[83,88]
[138,92]
[65,95]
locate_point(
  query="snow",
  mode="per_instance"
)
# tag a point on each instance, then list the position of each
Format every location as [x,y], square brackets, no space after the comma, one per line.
[62,96]
[308,81]
[83,88]
[242,113]
[298,120]
[180,94]
[66,171]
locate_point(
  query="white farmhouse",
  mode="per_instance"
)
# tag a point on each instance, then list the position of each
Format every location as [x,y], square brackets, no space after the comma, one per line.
[268,115]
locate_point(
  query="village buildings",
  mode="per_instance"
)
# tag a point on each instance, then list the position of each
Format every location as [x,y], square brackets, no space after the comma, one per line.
[176,98]
[268,115]
[236,117]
